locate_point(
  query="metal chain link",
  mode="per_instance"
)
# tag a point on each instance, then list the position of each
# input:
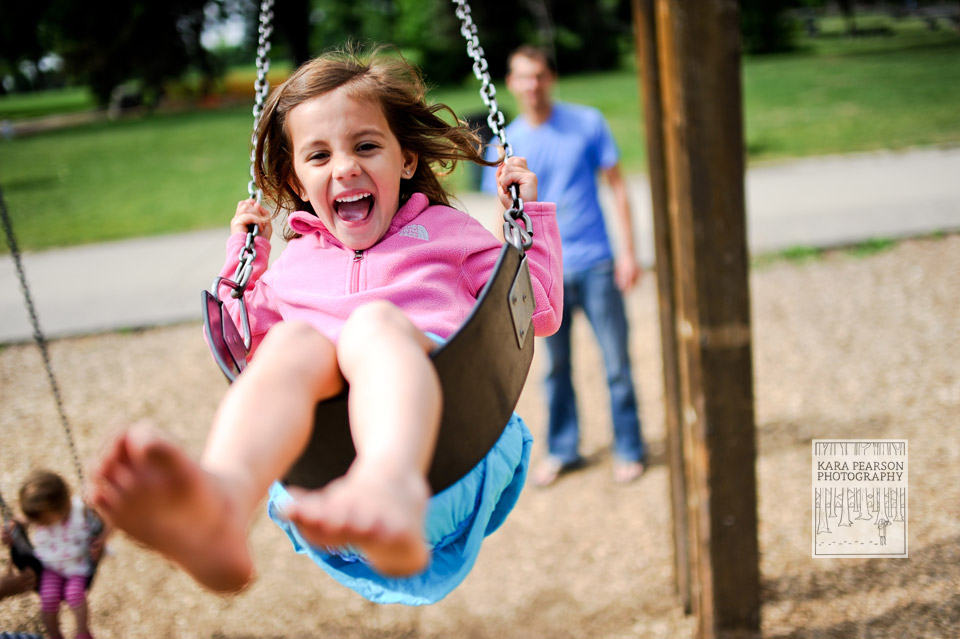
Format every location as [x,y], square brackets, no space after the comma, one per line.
[261,87]
[5,510]
[248,255]
[39,338]
[519,235]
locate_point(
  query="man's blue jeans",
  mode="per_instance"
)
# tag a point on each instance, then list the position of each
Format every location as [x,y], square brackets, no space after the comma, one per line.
[596,292]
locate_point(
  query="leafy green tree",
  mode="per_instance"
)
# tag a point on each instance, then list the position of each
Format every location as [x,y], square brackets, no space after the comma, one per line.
[292,23]
[18,35]
[106,44]
[585,36]
[848,9]
[137,40]
[427,31]
[591,36]
[335,22]
[766,26]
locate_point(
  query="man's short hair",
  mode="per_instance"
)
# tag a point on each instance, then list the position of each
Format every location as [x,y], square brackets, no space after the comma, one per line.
[534,53]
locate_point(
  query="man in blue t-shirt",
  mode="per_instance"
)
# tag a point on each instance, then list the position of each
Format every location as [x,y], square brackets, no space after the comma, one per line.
[567,145]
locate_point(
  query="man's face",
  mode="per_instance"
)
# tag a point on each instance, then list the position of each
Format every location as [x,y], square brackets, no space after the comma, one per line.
[530,81]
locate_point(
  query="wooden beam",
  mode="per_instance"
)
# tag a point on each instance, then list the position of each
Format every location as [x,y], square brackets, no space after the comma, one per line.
[648,74]
[699,57]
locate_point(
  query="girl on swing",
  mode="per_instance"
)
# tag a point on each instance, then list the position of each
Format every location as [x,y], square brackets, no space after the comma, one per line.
[379,269]
[66,544]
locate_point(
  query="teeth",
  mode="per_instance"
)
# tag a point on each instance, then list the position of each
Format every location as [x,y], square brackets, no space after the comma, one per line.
[351,198]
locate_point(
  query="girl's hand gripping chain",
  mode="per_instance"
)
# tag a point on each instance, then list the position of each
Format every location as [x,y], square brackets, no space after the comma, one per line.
[250,212]
[514,170]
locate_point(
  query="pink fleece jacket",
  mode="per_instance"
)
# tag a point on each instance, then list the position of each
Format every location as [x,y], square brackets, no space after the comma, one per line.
[432,263]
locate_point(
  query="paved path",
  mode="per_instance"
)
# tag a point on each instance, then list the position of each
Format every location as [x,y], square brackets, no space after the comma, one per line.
[814,202]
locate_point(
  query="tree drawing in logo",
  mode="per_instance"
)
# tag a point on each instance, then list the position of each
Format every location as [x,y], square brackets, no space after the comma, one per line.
[859,498]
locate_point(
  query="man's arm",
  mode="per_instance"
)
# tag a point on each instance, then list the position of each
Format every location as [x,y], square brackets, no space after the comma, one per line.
[627,270]
[14,583]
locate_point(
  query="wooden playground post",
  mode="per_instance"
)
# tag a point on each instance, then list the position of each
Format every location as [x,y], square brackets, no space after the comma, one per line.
[689,60]
[644,14]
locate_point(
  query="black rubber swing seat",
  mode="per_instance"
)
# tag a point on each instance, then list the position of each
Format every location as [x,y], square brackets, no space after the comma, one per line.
[21,552]
[23,557]
[482,370]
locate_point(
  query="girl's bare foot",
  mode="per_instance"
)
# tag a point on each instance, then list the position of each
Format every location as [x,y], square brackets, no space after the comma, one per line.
[381,515]
[153,491]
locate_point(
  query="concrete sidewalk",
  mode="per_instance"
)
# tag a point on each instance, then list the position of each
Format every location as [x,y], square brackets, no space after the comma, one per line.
[818,202]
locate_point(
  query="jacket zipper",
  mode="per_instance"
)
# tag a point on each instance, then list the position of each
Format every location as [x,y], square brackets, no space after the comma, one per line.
[355,274]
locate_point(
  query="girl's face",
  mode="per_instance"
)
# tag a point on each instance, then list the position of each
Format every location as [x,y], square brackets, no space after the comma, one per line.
[348,165]
[52,517]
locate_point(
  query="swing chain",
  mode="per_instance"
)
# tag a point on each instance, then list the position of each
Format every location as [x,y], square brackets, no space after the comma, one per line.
[39,338]
[261,87]
[5,511]
[248,255]
[521,236]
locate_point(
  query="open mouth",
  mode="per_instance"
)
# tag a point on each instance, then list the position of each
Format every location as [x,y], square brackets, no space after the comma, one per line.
[353,208]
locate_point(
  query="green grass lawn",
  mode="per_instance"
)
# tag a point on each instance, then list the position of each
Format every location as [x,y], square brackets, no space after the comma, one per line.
[41,103]
[176,172]
[161,174]
[843,95]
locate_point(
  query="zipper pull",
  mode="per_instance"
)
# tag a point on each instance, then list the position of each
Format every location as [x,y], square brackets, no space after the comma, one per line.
[357,255]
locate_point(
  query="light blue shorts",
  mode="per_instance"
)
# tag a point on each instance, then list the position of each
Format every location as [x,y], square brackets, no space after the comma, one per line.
[457,520]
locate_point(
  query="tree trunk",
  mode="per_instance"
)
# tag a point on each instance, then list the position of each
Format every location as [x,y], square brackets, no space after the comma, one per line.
[864,505]
[292,20]
[847,8]
[844,507]
[824,503]
[877,496]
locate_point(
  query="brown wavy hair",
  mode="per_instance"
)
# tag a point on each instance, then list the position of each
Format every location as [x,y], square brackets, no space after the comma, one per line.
[44,492]
[381,75]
